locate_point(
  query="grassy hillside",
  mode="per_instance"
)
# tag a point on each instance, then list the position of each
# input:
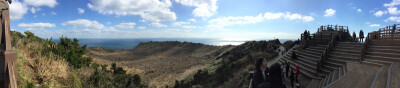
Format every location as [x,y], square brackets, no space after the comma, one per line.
[152,64]
[231,69]
[161,63]
[48,64]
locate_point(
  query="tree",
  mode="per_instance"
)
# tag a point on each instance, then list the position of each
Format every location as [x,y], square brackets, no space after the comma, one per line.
[29,34]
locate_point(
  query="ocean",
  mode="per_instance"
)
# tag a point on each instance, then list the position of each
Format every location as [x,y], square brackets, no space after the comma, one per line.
[130,43]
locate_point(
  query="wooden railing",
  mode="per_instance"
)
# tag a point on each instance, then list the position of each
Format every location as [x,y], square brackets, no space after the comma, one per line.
[387,33]
[7,54]
[327,50]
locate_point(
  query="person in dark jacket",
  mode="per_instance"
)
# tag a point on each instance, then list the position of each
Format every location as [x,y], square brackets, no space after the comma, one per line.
[354,36]
[291,77]
[261,73]
[275,76]
[287,68]
[294,55]
[361,35]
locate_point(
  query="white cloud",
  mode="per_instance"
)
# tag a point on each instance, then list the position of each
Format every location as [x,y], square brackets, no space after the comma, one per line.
[17,10]
[37,3]
[36,26]
[53,13]
[374,25]
[184,25]
[393,10]
[271,16]
[298,17]
[153,10]
[204,8]
[193,20]
[34,10]
[393,18]
[329,12]
[84,23]
[359,10]
[391,4]
[179,23]
[188,27]
[141,27]
[157,24]
[221,22]
[126,25]
[81,11]
[379,13]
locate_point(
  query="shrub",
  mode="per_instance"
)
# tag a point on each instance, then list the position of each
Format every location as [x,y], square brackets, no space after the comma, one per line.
[70,50]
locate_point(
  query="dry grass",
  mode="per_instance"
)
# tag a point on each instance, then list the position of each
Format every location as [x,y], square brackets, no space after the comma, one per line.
[49,69]
[160,63]
[37,69]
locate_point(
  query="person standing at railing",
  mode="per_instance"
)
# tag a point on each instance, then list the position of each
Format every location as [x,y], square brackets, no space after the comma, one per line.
[261,73]
[354,36]
[361,36]
[394,28]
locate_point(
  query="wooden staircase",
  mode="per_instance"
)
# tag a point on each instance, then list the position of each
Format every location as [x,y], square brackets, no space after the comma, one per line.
[307,59]
[388,57]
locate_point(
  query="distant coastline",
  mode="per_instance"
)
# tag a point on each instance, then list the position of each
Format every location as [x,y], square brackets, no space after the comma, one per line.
[130,43]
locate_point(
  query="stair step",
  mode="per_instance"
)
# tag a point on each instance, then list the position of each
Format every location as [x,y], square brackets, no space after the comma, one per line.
[305,71]
[312,66]
[386,54]
[347,50]
[396,59]
[379,61]
[346,54]
[346,58]
[383,50]
[385,47]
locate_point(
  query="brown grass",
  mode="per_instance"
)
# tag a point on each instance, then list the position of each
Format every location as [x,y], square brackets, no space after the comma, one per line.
[160,63]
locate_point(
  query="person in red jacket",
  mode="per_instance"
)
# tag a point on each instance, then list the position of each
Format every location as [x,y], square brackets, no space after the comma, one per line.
[296,75]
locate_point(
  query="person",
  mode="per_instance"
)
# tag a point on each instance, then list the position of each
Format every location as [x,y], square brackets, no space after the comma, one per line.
[283,71]
[275,76]
[291,77]
[296,75]
[305,35]
[261,73]
[354,36]
[361,35]
[394,28]
[294,55]
[287,68]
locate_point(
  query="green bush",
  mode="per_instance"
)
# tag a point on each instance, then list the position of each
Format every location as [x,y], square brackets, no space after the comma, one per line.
[118,79]
[70,50]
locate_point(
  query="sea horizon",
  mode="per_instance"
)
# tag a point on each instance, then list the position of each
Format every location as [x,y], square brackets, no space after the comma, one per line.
[131,43]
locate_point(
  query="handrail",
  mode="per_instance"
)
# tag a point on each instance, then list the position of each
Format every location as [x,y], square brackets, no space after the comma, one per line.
[331,44]
[11,76]
[327,50]
[9,56]
[376,76]
[388,78]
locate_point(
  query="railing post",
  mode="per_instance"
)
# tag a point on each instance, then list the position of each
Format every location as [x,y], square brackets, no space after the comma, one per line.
[9,56]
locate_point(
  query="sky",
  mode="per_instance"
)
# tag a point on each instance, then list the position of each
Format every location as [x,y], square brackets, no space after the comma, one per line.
[224,19]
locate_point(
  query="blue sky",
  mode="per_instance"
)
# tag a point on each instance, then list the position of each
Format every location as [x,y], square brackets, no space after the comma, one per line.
[226,19]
